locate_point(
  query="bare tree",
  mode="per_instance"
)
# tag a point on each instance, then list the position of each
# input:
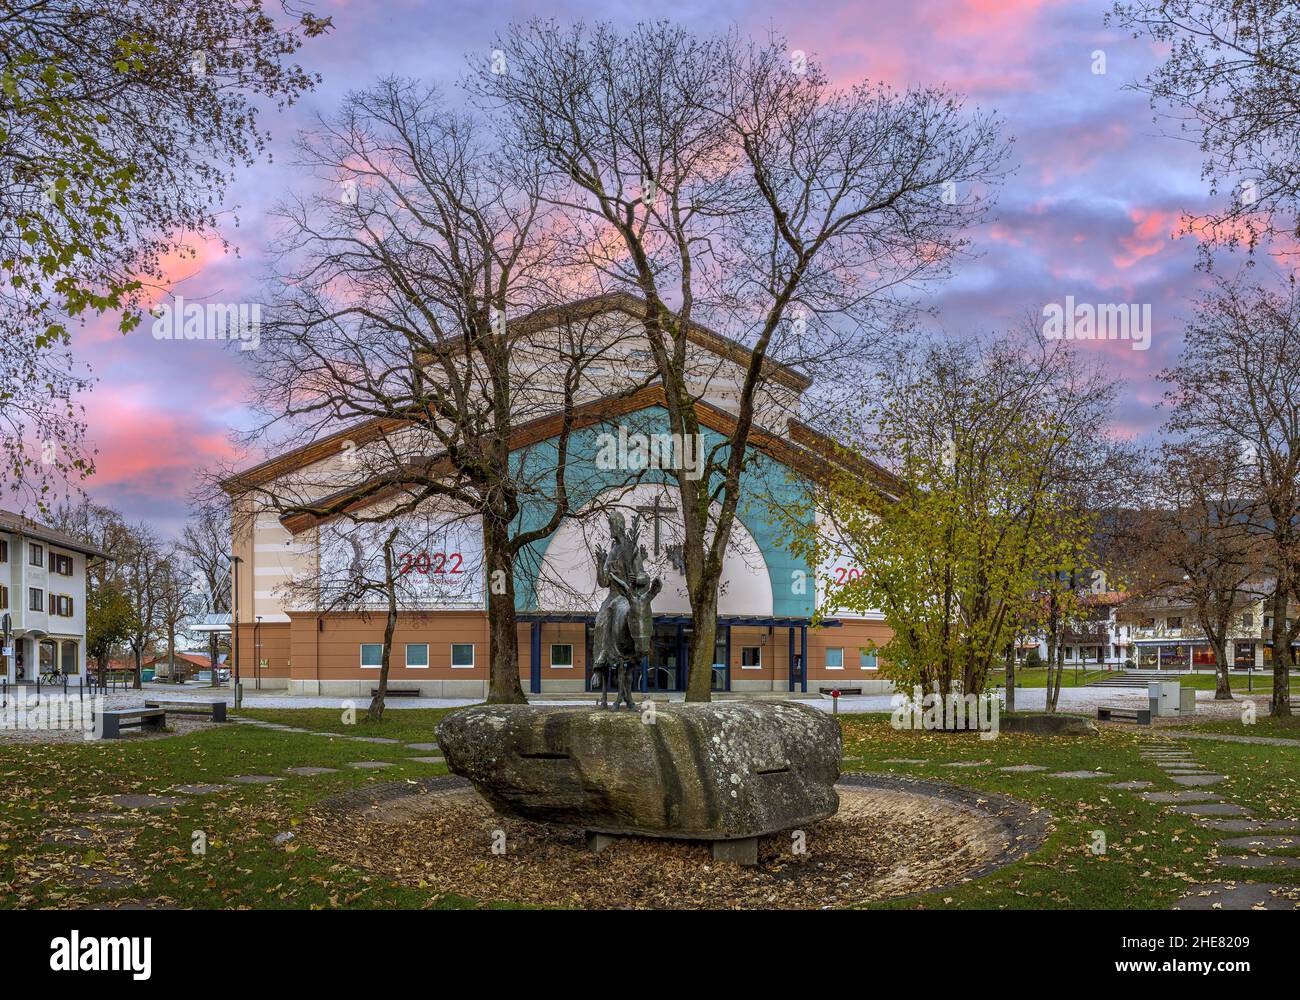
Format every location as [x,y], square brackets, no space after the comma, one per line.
[143,578]
[416,309]
[1236,390]
[1231,81]
[1195,543]
[729,185]
[176,601]
[205,545]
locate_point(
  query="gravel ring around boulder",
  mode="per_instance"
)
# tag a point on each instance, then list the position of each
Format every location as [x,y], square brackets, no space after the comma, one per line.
[917,836]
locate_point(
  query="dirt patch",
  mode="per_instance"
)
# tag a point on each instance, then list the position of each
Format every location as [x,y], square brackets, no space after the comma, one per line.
[891,838]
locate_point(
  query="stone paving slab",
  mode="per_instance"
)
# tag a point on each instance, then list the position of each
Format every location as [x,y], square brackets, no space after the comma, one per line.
[1185,771]
[308,772]
[1080,774]
[1276,842]
[1130,786]
[1259,861]
[1249,825]
[966,763]
[438,746]
[1240,896]
[373,739]
[200,789]
[1181,796]
[370,763]
[254,779]
[146,801]
[891,760]
[1196,780]
[1211,809]
[428,760]
[1023,768]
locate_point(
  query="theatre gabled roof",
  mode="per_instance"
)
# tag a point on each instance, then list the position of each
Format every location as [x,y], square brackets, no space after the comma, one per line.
[802,449]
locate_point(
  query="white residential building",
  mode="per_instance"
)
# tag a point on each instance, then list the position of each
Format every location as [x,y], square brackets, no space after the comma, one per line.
[43,599]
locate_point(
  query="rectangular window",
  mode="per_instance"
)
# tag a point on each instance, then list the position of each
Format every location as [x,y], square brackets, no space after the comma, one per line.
[417,654]
[54,605]
[35,599]
[1175,622]
[4,597]
[867,660]
[462,655]
[4,550]
[561,654]
[36,554]
[372,655]
[62,565]
[835,658]
[1248,619]
[751,657]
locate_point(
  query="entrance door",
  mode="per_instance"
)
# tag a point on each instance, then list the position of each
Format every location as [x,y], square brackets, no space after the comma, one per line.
[666,672]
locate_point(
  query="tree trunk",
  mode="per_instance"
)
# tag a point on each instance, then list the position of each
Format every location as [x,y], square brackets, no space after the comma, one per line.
[1281,700]
[1011,677]
[139,660]
[1223,680]
[376,711]
[704,617]
[1055,672]
[503,623]
[212,655]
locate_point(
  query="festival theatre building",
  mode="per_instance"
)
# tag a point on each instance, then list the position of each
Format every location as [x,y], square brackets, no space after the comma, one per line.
[295,633]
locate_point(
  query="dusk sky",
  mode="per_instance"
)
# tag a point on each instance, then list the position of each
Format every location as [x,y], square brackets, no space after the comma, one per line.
[1091,211]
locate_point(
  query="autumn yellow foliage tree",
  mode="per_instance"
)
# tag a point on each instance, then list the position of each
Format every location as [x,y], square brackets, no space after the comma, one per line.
[996,444]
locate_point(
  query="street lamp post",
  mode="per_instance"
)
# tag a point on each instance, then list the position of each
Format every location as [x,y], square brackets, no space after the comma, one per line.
[234,628]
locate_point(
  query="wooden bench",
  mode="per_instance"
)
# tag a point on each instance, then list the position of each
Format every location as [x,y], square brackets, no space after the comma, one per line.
[214,710]
[842,690]
[114,720]
[1119,713]
[397,692]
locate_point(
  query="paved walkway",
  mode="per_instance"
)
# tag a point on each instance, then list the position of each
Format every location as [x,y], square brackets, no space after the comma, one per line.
[1213,811]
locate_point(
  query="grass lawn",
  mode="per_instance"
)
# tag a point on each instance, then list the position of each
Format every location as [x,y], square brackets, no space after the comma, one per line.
[46,790]
[1286,727]
[1152,855]
[413,725]
[1204,681]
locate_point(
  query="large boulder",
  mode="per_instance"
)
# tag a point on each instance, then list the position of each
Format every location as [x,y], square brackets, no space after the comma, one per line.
[717,771]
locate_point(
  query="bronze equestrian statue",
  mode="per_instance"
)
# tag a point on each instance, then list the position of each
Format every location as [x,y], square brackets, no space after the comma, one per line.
[624,623]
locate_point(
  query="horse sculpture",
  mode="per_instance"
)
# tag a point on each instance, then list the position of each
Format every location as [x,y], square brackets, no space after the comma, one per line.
[624,623]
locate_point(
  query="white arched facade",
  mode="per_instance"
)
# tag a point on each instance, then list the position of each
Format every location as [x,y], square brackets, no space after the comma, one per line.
[566,581]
